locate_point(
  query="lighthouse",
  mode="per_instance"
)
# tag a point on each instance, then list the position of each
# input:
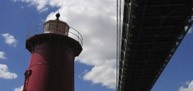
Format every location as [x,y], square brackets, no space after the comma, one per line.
[53,52]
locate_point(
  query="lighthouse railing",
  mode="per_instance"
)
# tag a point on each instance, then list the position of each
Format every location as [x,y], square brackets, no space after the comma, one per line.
[75,34]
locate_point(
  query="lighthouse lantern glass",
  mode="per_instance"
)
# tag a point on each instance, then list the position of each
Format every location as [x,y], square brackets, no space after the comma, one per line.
[57,27]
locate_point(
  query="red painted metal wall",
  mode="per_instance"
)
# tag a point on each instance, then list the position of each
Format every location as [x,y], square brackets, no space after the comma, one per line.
[52,63]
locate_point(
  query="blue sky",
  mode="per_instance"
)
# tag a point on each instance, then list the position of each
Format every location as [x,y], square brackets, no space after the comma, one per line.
[95,68]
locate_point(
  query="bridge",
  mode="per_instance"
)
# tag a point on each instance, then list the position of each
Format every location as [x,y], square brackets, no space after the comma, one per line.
[151,30]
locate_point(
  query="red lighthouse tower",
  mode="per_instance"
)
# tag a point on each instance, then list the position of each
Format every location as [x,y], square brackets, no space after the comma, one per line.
[51,65]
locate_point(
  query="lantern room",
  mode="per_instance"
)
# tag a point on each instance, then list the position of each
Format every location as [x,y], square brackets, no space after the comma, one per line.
[56,26]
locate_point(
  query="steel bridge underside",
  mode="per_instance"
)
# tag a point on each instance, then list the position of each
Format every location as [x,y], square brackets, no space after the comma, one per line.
[151,32]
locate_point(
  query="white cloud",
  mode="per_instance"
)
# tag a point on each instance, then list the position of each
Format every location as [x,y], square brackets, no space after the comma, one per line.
[10,39]
[5,74]
[41,5]
[2,55]
[190,30]
[95,19]
[19,88]
[189,86]
[103,74]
